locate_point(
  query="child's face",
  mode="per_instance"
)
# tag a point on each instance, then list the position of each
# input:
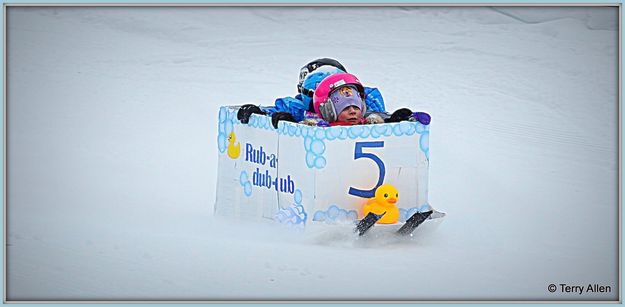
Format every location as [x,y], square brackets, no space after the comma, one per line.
[351,114]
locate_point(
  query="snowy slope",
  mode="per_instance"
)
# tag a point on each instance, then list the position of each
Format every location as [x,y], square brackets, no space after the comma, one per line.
[112,130]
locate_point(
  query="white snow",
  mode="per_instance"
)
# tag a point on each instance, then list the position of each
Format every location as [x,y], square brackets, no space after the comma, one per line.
[111,151]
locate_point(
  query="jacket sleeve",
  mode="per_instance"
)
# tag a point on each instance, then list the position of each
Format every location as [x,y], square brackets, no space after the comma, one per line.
[374,100]
[289,104]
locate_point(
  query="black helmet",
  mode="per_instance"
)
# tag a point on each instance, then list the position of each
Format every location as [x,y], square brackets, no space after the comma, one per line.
[308,68]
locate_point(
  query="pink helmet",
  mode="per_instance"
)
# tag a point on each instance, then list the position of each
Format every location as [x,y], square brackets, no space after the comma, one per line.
[323,105]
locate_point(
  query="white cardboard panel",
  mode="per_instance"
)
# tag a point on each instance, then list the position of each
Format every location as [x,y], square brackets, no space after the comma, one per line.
[298,174]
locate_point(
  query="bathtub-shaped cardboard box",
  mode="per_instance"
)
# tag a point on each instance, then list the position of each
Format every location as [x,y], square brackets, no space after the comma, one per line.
[299,174]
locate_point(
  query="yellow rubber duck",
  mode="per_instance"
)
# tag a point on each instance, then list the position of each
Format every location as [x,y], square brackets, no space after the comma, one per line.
[233,150]
[384,200]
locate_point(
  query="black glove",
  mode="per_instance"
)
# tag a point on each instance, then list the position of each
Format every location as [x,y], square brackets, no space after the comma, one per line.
[399,115]
[246,110]
[278,116]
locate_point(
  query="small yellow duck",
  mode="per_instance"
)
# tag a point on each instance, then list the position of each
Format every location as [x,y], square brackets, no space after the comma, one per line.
[233,150]
[384,200]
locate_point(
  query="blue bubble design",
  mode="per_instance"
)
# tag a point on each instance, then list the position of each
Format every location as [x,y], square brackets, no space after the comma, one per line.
[424,144]
[380,129]
[222,113]
[258,121]
[315,137]
[406,128]
[354,132]
[243,178]
[342,133]
[320,162]
[222,142]
[245,183]
[320,216]
[297,196]
[295,215]
[366,131]
[397,130]
[227,119]
[247,189]
[320,133]
[420,128]
[310,159]
[292,130]
[305,131]
[330,134]
[334,215]
[252,121]
[317,147]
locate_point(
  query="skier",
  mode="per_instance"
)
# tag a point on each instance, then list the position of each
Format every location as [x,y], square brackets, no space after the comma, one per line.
[293,108]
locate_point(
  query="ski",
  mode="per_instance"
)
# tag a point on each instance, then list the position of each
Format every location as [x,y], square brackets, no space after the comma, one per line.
[413,222]
[365,224]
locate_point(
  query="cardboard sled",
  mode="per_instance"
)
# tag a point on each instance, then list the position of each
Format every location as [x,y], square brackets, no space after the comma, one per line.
[299,174]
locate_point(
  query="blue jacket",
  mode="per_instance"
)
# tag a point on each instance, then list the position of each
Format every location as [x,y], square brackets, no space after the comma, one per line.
[296,106]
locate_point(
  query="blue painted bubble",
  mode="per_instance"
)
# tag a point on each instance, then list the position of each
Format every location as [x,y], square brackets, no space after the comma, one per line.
[247,189]
[222,127]
[354,132]
[292,130]
[317,147]
[307,142]
[320,216]
[223,115]
[333,212]
[221,142]
[374,133]
[228,127]
[379,129]
[243,178]
[298,131]
[330,134]
[305,131]
[424,141]
[407,128]
[297,196]
[253,122]
[342,215]
[310,159]
[420,128]
[342,133]
[335,132]
[397,130]
[388,130]
[366,131]
[320,162]
[320,133]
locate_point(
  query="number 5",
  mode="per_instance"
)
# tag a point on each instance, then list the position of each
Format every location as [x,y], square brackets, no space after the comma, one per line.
[359,154]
